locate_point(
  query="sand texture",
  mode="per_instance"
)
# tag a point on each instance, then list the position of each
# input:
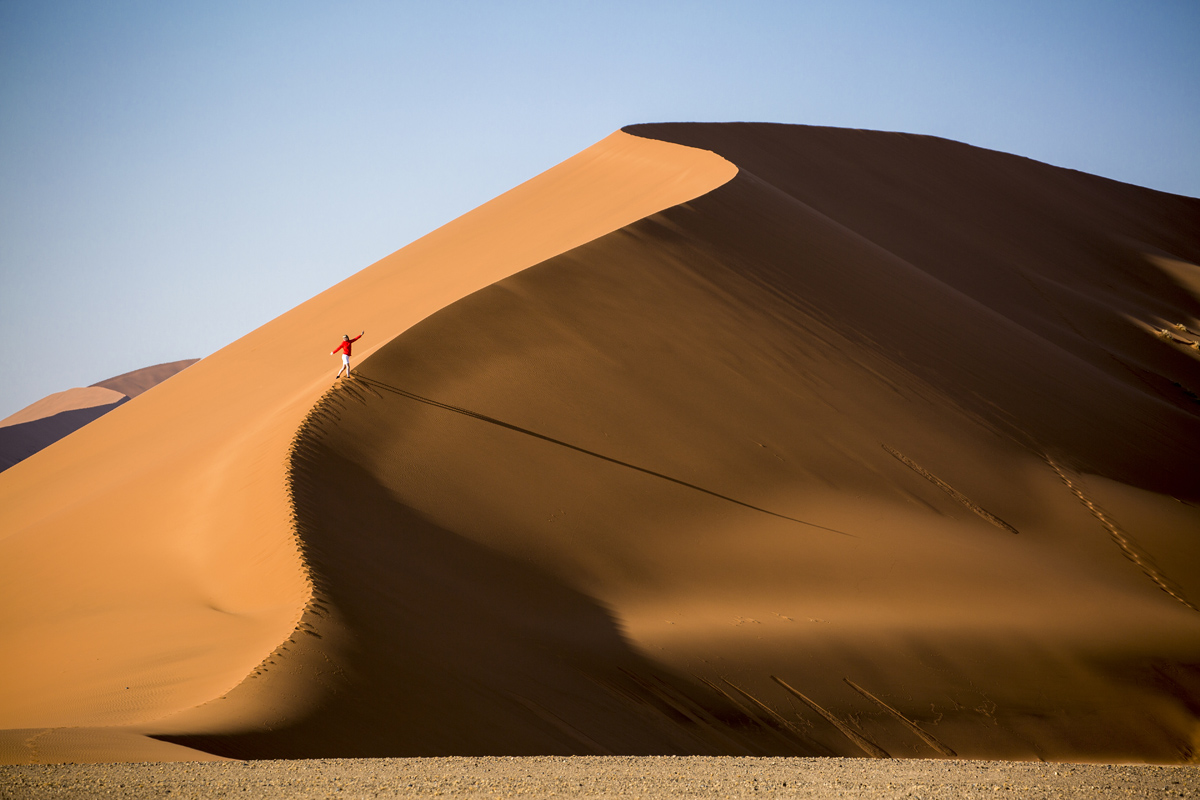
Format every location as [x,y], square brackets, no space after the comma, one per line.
[714,440]
[604,776]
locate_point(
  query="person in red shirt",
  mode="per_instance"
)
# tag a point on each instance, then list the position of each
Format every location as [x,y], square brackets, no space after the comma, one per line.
[344,348]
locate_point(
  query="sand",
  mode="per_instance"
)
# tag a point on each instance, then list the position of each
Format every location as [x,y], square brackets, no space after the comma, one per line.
[60,402]
[154,564]
[131,384]
[603,777]
[736,440]
[41,424]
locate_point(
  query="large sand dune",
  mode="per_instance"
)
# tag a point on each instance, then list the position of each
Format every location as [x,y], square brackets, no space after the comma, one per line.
[785,441]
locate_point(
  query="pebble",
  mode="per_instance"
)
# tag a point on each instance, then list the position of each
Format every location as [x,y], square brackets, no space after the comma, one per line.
[625,777]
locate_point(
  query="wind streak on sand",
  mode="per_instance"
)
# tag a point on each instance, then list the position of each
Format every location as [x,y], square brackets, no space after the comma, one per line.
[865,744]
[1122,540]
[950,490]
[924,735]
[493,421]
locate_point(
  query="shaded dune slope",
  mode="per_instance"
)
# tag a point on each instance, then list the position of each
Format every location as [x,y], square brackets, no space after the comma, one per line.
[1073,259]
[872,450]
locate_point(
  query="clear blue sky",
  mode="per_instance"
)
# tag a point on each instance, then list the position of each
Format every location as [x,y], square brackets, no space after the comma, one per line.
[173,175]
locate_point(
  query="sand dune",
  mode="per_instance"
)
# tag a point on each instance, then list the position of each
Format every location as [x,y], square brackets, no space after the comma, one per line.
[60,402]
[41,424]
[131,384]
[801,441]
[153,565]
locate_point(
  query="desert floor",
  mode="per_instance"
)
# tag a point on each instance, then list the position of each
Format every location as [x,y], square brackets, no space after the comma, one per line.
[600,776]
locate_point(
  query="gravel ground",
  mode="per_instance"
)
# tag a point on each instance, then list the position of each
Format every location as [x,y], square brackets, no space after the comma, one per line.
[629,777]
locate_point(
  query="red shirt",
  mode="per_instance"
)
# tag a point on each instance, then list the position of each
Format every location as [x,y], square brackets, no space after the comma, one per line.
[345,345]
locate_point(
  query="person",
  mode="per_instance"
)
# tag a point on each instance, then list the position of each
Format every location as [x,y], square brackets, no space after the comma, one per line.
[344,348]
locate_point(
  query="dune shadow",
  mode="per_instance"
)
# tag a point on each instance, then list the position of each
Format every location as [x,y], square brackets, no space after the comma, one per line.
[378,384]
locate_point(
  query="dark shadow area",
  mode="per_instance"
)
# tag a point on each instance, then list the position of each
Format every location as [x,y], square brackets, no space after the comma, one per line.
[1053,256]
[501,423]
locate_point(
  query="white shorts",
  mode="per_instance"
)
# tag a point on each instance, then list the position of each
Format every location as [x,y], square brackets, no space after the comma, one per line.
[345,360]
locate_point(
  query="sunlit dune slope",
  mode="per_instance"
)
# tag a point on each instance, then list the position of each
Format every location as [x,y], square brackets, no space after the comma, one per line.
[149,562]
[876,449]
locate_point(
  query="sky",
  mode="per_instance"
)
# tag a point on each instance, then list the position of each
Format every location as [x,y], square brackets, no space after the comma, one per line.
[174,175]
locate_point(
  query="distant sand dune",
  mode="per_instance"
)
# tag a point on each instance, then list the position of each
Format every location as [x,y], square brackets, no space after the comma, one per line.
[131,384]
[43,423]
[660,454]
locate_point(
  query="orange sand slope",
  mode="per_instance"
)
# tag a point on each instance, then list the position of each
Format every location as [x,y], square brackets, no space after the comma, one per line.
[149,563]
[41,424]
[885,445]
